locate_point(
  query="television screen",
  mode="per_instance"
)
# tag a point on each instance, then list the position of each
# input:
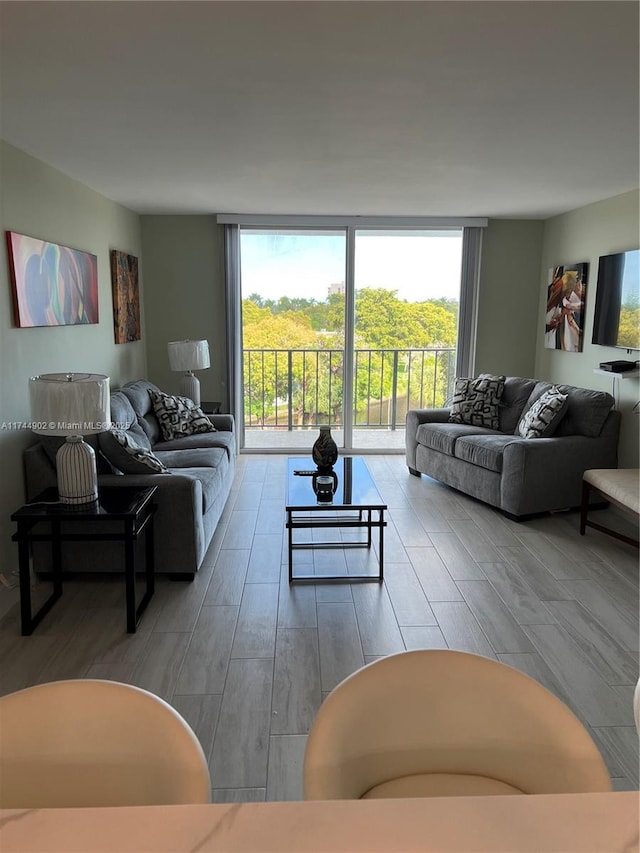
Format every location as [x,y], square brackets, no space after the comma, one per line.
[616,321]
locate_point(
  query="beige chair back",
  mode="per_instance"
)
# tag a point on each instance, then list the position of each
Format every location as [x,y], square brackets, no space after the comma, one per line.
[96,743]
[419,721]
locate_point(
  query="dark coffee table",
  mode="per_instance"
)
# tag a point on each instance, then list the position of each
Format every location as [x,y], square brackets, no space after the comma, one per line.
[354,502]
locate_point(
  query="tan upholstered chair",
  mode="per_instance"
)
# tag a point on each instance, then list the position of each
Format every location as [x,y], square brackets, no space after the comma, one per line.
[619,486]
[96,743]
[446,723]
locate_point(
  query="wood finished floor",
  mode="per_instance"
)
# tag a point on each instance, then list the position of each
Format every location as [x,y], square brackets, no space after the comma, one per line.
[247,660]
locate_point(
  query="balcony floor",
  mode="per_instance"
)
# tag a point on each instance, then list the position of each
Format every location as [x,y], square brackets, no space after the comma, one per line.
[365,440]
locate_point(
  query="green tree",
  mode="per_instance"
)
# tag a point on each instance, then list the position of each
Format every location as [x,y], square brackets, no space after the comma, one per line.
[388,329]
[629,327]
[280,344]
[252,313]
[384,322]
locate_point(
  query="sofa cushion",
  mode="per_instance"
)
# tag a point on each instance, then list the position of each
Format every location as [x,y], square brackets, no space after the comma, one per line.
[485,451]
[542,419]
[178,416]
[194,457]
[138,395]
[123,417]
[443,437]
[211,480]
[586,412]
[514,398]
[220,438]
[476,401]
[123,451]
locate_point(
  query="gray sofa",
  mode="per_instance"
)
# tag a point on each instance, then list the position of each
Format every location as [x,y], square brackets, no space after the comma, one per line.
[190,497]
[520,476]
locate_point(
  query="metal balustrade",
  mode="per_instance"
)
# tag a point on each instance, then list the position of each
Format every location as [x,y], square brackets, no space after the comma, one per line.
[290,389]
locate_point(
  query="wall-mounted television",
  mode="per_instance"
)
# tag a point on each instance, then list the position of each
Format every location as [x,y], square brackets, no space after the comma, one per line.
[616,322]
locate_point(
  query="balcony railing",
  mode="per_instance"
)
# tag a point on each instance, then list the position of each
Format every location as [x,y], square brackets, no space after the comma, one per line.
[290,389]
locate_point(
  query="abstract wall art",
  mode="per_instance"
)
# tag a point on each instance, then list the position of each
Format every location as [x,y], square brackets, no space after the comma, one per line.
[126,297]
[564,318]
[52,285]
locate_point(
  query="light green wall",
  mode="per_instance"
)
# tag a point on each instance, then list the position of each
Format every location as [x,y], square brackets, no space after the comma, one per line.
[37,200]
[583,235]
[184,266]
[508,297]
[184,296]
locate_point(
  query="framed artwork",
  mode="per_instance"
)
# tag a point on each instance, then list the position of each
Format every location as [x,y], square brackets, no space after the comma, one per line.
[564,318]
[126,297]
[51,285]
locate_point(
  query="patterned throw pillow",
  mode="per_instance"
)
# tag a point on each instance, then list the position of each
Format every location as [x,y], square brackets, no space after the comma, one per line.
[125,454]
[544,415]
[476,401]
[178,415]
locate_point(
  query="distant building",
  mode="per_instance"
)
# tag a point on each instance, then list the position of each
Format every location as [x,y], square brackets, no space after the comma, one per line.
[336,288]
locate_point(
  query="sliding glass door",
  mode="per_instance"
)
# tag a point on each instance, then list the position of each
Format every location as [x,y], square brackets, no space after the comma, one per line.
[293,325]
[349,327]
[407,295]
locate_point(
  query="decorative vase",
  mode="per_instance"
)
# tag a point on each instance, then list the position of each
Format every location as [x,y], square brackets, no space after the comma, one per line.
[325,450]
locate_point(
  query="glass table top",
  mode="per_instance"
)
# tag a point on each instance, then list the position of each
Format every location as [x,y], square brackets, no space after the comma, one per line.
[113,502]
[350,485]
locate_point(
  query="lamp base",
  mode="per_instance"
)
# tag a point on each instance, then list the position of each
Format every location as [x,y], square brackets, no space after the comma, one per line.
[77,474]
[190,387]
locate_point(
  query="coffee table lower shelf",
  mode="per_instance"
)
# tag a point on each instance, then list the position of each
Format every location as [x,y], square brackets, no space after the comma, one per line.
[362,519]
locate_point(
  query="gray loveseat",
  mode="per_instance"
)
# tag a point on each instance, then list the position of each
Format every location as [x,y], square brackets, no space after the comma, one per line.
[190,497]
[520,476]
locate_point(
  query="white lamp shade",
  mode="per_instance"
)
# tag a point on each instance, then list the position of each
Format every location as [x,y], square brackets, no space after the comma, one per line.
[189,355]
[69,403]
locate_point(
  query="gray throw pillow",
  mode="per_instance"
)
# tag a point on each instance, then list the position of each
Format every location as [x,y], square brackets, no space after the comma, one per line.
[124,453]
[476,401]
[542,419]
[178,416]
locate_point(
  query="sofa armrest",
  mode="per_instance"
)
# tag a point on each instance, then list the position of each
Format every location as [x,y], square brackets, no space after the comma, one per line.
[178,525]
[548,471]
[415,417]
[223,423]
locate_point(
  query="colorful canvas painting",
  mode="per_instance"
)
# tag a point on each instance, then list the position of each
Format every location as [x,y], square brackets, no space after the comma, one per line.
[126,297]
[564,320]
[52,285]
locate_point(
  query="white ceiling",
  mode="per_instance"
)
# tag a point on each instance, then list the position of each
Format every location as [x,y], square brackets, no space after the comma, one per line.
[500,109]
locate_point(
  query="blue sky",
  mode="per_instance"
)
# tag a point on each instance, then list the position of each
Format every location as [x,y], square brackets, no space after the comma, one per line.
[631,278]
[292,264]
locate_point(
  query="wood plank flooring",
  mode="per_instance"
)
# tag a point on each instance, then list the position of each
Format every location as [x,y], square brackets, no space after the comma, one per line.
[247,660]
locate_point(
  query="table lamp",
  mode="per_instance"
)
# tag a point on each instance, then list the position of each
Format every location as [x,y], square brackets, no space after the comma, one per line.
[72,405]
[188,356]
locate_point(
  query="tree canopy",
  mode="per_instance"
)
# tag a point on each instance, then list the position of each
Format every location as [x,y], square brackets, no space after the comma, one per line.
[382,323]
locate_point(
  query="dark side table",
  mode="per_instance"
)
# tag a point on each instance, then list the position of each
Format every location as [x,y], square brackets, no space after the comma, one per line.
[124,513]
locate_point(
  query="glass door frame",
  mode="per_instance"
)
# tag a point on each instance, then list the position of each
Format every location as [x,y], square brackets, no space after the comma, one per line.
[472,241]
[348,398]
